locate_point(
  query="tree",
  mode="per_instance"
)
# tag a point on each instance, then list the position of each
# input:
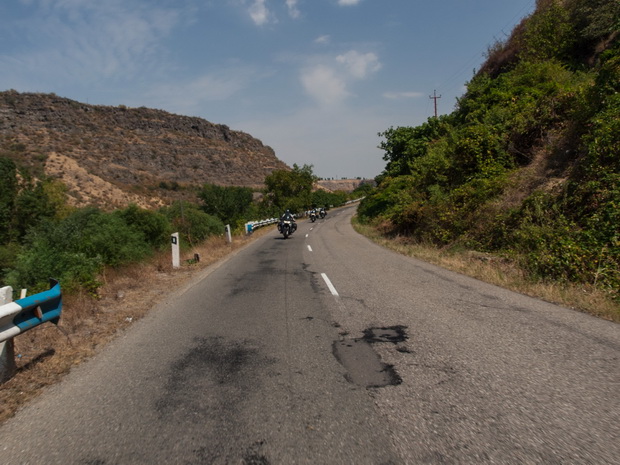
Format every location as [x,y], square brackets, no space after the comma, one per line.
[291,189]
[229,204]
[154,226]
[192,222]
[404,144]
[8,194]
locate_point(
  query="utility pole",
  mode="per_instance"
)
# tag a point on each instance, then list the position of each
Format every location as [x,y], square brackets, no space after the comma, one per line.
[434,97]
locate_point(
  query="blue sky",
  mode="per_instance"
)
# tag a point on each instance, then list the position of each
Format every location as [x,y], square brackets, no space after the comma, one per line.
[314,79]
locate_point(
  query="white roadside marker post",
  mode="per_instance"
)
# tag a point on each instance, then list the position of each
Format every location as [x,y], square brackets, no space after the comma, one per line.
[228,235]
[176,255]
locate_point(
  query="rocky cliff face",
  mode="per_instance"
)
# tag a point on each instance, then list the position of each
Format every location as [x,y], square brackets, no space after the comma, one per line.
[111,156]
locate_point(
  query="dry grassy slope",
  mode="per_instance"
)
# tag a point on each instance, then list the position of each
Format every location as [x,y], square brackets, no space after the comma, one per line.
[110,156]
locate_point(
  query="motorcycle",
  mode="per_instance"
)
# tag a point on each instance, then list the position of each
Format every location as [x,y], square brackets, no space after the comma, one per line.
[313,216]
[322,213]
[287,227]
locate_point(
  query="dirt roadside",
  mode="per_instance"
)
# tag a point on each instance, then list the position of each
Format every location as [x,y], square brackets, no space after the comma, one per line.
[45,354]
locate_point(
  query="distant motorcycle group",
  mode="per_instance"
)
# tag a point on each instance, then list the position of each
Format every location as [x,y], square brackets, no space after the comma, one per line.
[288,226]
[321,213]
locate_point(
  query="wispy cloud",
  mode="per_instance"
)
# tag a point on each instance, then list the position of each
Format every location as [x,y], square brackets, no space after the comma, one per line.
[322,39]
[324,85]
[359,65]
[187,97]
[259,12]
[93,40]
[293,11]
[348,2]
[327,80]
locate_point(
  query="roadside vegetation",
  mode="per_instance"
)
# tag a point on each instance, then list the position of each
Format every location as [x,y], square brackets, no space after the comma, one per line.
[527,168]
[114,266]
[42,237]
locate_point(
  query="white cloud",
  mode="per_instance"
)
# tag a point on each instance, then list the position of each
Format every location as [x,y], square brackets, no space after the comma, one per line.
[402,95]
[327,80]
[324,85]
[359,65]
[348,2]
[259,12]
[293,11]
[93,40]
[322,39]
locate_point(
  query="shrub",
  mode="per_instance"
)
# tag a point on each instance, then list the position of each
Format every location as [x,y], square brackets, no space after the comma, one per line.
[193,224]
[154,226]
[75,249]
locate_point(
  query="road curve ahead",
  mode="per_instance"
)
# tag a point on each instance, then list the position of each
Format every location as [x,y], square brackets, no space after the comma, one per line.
[327,349]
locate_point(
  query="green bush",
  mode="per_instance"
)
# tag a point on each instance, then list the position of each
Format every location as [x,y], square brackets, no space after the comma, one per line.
[75,249]
[154,226]
[193,224]
[232,205]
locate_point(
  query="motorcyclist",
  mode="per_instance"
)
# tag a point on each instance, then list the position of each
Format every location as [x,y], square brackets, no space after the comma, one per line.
[288,216]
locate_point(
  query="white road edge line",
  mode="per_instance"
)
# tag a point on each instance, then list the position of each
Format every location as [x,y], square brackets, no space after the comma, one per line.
[309,248]
[332,289]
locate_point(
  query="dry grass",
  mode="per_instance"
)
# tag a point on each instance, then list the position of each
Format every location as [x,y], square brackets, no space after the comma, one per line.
[504,273]
[46,353]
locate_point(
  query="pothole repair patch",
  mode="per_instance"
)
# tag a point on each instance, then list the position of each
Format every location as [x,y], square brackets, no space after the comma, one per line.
[393,334]
[364,366]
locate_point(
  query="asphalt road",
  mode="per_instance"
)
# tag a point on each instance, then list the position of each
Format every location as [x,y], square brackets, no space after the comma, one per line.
[278,356]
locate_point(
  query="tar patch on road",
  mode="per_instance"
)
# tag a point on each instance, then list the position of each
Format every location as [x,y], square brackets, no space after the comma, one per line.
[392,334]
[364,366]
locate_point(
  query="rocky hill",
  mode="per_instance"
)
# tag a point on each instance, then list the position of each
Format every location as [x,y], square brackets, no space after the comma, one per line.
[346,185]
[111,156]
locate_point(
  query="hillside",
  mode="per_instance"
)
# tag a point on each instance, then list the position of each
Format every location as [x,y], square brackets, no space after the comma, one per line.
[527,168]
[345,185]
[111,156]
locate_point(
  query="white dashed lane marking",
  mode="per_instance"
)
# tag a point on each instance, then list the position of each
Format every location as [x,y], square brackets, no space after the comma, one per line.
[331,287]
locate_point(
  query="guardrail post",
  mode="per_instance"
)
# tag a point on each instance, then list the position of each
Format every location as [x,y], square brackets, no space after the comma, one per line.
[228,234]
[7,348]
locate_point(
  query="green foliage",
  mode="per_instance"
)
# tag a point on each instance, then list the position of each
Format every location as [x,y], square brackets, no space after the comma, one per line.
[232,205]
[321,198]
[362,191]
[595,19]
[75,249]
[32,205]
[191,222]
[549,34]
[8,194]
[403,145]
[153,226]
[290,189]
[390,200]
[462,179]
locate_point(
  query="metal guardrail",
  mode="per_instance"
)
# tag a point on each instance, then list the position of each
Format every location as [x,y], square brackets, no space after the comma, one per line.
[24,314]
[252,225]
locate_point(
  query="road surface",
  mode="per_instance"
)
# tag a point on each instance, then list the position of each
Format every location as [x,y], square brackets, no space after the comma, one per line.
[327,349]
